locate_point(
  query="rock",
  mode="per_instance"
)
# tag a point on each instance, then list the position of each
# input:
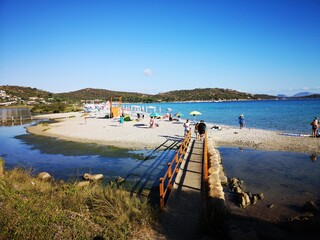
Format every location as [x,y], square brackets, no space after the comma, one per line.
[243,199]
[94,177]
[213,170]
[120,180]
[237,190]
[271,205]
[310,207]
[254,199]
[260,196]
[44,176]
[223,179]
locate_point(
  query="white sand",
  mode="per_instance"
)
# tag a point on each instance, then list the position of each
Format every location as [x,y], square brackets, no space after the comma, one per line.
[138,135]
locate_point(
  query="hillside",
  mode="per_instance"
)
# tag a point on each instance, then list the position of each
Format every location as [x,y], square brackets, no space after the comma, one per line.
[198,94]
[91,94]
[25,92]
[204,94]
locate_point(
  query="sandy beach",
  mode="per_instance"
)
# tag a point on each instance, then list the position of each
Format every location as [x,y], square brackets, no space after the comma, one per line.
[137,134]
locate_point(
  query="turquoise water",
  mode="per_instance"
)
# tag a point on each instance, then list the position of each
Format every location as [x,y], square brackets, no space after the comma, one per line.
[292,116]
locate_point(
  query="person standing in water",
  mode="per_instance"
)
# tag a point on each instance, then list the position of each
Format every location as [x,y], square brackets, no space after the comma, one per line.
[314,125]
[241,121]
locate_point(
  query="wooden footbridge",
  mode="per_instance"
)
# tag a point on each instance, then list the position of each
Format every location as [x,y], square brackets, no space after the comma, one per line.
[184,189]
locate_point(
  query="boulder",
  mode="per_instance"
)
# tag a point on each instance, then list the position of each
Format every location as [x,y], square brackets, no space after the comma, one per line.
[310,207]
[94,177]
[260,196]
[120,180]
[44,176]
[243,199]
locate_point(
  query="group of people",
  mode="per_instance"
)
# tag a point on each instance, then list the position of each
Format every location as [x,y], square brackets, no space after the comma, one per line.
[199,129]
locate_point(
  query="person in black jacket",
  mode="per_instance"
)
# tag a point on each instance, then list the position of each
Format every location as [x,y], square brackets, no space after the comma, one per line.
[202,129]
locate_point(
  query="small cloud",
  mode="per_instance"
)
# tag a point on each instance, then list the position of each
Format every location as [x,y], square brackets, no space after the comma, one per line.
[148,72]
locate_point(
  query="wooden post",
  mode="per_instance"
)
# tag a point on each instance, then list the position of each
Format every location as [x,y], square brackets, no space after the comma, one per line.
[161,193]
[169,170]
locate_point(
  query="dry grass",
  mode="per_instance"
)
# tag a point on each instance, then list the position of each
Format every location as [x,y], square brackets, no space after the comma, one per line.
[33,209]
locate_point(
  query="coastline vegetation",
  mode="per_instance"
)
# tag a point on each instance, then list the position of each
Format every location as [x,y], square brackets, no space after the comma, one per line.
[35,209]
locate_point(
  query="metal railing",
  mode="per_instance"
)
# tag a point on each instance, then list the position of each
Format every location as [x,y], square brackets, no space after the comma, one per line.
[166,182]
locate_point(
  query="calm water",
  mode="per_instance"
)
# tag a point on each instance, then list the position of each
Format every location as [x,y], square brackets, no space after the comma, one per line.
[283,115]
[69,160]
[287,179]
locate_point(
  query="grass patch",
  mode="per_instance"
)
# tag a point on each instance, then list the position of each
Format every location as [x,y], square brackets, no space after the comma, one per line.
[33,209]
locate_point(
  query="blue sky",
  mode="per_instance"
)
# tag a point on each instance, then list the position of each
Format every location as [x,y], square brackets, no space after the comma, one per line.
[156,46]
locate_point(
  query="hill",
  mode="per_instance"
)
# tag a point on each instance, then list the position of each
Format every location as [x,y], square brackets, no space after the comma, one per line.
[198,94]
[25,92]
[204,94]
[91,94]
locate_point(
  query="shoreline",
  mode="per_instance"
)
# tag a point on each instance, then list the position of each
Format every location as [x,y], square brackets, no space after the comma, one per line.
[137,134]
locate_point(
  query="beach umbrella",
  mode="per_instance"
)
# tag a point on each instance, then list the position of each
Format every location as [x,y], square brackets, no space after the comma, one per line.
[155,114]
[194,114]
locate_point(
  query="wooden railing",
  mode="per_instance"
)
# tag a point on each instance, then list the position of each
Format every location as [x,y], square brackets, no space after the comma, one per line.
[166,182]
[205,176]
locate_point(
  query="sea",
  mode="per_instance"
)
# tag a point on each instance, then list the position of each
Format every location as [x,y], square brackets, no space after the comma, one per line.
[293,116]
[287,179]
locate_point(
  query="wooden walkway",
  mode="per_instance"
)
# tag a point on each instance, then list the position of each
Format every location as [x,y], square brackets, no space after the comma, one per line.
[183,209]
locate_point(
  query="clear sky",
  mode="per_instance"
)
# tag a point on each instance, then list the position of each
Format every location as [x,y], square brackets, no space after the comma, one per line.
[256,46]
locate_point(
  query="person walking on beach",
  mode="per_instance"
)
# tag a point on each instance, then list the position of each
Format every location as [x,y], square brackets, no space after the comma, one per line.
[241,121]
[152,122]
[186,126]
[196,130]
[314,126]
[121,121]
[202,129]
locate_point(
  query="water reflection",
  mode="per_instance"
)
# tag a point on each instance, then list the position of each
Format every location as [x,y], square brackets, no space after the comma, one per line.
[287,179]
[15,116]
[69,160]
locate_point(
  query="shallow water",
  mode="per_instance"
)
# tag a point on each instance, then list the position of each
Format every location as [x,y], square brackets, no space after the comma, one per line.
[68,160]
[288,180]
